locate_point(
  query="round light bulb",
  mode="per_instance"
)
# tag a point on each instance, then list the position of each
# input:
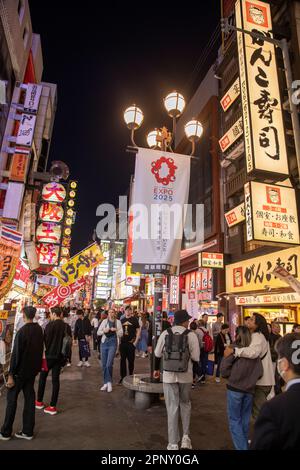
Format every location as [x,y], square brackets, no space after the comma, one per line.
[133,116]
[174,104]
[152,139]
[193,130]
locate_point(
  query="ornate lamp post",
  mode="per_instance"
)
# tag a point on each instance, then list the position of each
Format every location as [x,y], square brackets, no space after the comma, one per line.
[162,139]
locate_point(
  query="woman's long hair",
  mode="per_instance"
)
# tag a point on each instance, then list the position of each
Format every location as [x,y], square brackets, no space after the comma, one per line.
[243,337]
[262,325]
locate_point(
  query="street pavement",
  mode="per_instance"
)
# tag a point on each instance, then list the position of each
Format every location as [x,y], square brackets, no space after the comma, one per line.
[89,419]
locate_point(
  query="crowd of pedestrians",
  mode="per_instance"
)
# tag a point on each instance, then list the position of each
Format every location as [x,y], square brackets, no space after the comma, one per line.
[256,364]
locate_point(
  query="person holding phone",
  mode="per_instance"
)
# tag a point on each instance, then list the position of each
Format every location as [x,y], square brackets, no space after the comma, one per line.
[110,331]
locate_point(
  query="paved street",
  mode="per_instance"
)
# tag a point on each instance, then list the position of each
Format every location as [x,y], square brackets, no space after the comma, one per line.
[94,420]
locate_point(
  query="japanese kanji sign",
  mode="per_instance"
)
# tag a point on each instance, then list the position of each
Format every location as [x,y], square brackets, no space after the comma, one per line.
[48,253]
[232,135]
[231,95]
[271,213]
[174,290]
[54,192]
[291,298]
[61,293]
[255,273]
[51,212]
[79,265]
[48,232]
[264,135]
[211,260]
[236,215]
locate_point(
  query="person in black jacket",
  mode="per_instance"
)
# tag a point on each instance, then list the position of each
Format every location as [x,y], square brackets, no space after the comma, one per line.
[222,340]
[25,364]
[278,424]
[82,333]
[54,335]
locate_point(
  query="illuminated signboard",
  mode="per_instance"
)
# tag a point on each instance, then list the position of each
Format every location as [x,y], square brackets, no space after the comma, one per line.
[48,253]
[19,166]
[232,135]
[271,213]
[54,192]
[236,215]
[231,95]
[51,212]
[264,135]
[255,274]
[174,290]
[211,260]
[48,233]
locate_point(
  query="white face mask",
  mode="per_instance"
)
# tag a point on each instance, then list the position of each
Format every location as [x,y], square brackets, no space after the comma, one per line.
[280,372]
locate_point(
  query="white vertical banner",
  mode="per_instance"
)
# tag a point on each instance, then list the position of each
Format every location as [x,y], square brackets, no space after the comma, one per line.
[26,130]
[161,189]
[32,99]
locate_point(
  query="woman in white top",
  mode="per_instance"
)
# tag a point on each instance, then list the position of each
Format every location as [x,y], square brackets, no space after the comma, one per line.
[259,347]
[111,330]
[95,326]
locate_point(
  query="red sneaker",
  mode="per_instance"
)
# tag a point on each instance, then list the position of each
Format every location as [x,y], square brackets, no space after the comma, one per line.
[51,410]
[39,405]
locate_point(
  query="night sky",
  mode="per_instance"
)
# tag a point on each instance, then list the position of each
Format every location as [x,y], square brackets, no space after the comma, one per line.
[103,60]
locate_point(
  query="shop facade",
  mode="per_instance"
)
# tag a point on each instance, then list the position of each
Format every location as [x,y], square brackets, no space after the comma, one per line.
[252,287]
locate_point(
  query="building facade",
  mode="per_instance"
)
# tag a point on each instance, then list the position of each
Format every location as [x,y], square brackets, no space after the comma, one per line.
[259,229]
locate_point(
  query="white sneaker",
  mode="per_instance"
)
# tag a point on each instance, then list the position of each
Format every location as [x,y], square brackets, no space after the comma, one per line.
[218,380]
[109,387]
[172,447]
[103,388]
[3,438]
[79,364]
[87,364]
[186,442]
[69,364]
[143,355]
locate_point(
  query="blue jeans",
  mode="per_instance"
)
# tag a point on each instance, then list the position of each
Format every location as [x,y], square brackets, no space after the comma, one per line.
[203,362]
[108,352]
[239,408]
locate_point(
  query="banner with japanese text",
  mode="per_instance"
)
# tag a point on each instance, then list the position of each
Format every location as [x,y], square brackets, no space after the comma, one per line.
[79,265]
[10,249]
[160,195]
[62,293]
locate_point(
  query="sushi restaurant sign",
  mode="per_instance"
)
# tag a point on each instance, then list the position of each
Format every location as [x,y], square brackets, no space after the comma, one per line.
[255,273]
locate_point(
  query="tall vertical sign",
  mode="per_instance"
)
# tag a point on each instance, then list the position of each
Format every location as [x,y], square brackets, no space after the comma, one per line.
[264,136]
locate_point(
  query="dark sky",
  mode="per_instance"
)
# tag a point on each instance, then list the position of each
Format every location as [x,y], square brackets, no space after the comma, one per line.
[103,60]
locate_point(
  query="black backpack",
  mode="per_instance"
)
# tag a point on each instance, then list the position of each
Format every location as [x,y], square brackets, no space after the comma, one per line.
[176,352]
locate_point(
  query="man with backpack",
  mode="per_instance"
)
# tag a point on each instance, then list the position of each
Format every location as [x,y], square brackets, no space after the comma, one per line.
[55,344]
[179,348]
[205,348]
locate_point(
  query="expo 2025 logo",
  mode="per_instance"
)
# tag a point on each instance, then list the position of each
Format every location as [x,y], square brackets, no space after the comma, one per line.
[157,169]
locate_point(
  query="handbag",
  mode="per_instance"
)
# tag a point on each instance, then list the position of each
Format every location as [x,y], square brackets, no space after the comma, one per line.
[84,348]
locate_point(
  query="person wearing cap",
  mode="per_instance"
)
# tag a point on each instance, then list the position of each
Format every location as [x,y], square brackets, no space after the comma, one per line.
[177,385]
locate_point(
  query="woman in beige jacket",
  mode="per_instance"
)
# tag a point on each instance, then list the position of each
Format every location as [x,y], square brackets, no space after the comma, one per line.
[259,347]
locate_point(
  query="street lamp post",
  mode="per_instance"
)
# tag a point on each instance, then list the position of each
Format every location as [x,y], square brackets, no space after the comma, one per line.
[162,139]
[283,45]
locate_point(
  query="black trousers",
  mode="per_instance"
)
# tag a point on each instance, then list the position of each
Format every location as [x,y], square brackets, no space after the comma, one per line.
[27,386]
[127,353]
[55,366]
